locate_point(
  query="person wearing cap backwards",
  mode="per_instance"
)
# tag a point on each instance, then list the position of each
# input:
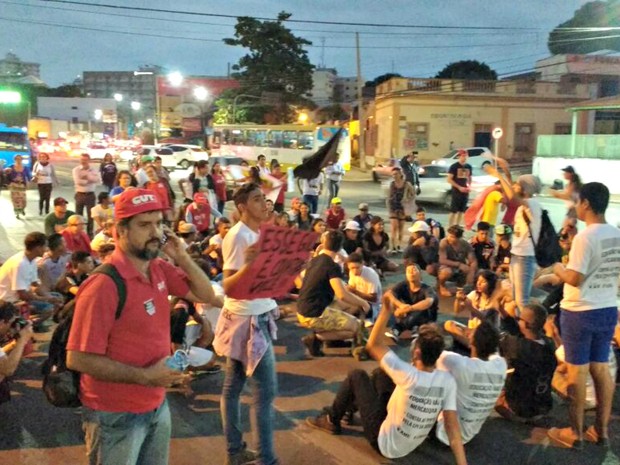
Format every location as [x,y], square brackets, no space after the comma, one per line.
[570,192]
[85,178]
[56,221]
[363,217]
[122,361]
[335,214]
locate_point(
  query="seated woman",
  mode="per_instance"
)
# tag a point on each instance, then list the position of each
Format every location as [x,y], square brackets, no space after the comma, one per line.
[304,219]
[489,302]
[376,243]
[423,248]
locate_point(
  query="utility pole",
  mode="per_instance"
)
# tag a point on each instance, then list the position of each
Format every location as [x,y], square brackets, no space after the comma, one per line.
[360,106]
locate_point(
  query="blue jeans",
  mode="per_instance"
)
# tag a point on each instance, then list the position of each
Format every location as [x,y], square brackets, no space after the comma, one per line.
[334,188]
[313,201]
[120,438]
[522,270]
[264,386]
[38,306]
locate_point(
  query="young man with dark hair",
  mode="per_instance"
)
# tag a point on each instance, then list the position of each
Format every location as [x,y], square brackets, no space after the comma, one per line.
[124,362]
[261,163]
[456,259]
[364,282]
[54,261]
[588,315]
[9,361]
[419,394]
[483,245]
[56,221]
[244,335]
[479,380]
[531,358]
[322,283]
[82,265]
[459,177]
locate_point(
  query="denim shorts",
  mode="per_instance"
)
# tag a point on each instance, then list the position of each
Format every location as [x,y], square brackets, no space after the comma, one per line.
[587,335]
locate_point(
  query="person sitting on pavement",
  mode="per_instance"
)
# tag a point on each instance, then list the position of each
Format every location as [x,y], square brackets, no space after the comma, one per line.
[414,303]
[75,236]
[12,353]
[363,217]
[321,284]
[294,210]
[304,217]
[318,226]
[103,211]
[483,245]
[396,420]
[352,240]
[283,220]
[501,259]
[56,221]
[423,248]
[105,252]
[19,280]
[335,214]
[82,265]
[54,262]
[105,236]
[437,229]
[488,302]
[531,361]
[376,243]
[364,282]
[198,213]
[457,260]
[479,381]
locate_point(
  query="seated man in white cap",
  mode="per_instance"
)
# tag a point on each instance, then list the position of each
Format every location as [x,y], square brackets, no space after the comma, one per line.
[423,248]
[352,240]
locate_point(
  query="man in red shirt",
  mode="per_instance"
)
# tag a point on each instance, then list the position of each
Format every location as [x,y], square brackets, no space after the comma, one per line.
[198,213]
[335,215]
[75,237]
[123,361]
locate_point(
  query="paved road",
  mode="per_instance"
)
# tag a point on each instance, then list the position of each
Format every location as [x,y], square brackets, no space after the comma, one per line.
[33,432]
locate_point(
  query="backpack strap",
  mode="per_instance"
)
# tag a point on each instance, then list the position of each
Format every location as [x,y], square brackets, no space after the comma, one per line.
[111,271]
[527,220]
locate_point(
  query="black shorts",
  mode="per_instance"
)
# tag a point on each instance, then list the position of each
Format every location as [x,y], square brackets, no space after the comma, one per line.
[459,202]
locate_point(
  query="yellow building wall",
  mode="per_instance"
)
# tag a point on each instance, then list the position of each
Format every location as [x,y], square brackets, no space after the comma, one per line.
[454,120]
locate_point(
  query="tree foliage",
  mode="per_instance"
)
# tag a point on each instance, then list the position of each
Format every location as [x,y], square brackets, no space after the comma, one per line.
[564,39]
[381,79]
[467,69]
[276,63]
[333,112]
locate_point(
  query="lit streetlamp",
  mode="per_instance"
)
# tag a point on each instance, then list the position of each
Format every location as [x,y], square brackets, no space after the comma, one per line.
[175,78]
[201,93]
[118,97]
[135,106]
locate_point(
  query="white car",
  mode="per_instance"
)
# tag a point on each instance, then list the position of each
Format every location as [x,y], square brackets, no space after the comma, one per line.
[436,190]
[186,155]
[98,151]
[478,157]
[166,154]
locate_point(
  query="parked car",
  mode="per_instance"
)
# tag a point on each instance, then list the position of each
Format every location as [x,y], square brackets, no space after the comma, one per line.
[186,155]
[435,188]
[478,157]
[383,171]
[166,154]
[97,151]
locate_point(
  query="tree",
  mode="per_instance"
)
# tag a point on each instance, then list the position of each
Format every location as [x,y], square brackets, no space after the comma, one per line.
[333,112]
[563,39]
[277,63]
[467,69]
[381,79]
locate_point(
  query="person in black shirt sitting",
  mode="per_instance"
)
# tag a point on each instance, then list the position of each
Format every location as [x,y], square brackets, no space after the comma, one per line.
[316,308]
[483,245]
[423,248]
[352,241]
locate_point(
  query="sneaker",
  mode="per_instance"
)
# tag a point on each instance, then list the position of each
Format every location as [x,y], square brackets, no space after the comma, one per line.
[313,345]
[242,457]
[393,334]
[565,437]
[591,435]
[323,422]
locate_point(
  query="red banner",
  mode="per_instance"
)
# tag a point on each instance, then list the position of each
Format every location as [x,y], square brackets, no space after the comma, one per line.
[283,254]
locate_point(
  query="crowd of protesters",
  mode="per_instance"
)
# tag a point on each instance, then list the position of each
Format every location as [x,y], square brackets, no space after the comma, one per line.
[503,343]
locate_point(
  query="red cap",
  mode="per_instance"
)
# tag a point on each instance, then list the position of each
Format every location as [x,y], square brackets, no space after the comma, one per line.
[201,197]
[132,202]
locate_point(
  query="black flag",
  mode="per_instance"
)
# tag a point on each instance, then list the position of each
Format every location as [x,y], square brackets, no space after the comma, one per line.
[311,166]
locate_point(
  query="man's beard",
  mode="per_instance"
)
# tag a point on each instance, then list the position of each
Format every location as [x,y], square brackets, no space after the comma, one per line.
[147,253]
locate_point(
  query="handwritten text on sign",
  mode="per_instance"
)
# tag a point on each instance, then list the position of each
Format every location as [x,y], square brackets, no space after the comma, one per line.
[283,254]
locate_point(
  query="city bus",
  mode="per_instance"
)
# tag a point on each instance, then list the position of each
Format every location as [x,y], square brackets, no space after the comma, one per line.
[13,141]
[287,143]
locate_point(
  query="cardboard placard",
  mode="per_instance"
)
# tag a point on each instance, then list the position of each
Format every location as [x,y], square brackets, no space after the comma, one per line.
[283,254]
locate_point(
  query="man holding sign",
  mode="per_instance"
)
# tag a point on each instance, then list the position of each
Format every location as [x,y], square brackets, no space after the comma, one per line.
[244,335]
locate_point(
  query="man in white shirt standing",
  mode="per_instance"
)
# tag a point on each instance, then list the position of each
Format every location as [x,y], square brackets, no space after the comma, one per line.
[421,392]
[85,179]
[244,334]
[261,164]
[479,380]
[589,313]
[311,190]
[334,173]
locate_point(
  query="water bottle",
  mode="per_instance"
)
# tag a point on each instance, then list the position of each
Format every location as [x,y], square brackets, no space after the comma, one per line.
[179,361]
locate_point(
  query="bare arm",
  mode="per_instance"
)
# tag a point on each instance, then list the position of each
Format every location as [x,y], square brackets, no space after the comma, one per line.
[343,294]
[390,299]
[376,346]
[9,364]
[453,431]
[454,184]
[574,278]
[369,297]
[421,306]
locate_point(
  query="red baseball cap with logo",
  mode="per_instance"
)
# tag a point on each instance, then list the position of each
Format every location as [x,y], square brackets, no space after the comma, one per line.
[132,202]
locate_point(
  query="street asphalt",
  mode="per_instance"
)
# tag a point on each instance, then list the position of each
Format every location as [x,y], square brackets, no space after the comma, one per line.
[32,432]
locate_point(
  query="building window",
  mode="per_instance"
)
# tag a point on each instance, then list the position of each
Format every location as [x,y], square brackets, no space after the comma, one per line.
[417,136]
[525,136]
[74,108]
[562,129]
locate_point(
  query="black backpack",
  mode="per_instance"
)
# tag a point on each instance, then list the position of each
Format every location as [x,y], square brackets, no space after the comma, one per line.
[547,249]
[60,384]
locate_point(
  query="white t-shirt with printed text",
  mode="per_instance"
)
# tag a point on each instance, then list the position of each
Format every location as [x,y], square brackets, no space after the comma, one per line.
[414,406]
[479,384]
[234,245]
[595,253]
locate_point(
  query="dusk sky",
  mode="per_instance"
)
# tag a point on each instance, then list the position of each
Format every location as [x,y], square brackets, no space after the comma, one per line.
[67,38]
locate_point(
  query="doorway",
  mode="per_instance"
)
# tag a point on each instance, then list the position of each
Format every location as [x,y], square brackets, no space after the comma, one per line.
[482,135]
